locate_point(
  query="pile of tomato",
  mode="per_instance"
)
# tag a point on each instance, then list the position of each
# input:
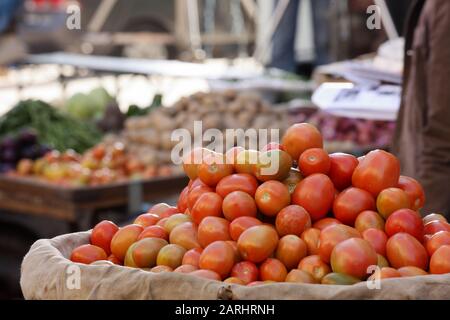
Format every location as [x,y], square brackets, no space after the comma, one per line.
[319,218]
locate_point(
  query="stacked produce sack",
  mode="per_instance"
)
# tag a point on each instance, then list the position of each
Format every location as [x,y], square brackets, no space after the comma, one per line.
[320,218]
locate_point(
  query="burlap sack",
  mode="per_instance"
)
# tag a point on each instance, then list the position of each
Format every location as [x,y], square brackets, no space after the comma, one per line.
[45,275]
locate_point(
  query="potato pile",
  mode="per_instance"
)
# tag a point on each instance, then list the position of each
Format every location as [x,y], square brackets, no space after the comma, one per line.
[149,137]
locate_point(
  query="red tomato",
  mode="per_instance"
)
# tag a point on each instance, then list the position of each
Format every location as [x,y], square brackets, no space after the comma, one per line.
[124,238]
[257,243]
[377,238]
[238,204]
[350,203]
[300,137]
[213,169]
[437,240]
[195,183]
[147,219]
[325,222]
[192,257]
[185,268]
[405,220]
[213,229]
[273,146]
[239,225]
[315,267]
[369,219]
[311,238]
[195,193]
[271,197]
[353,257]
[218,257]
[87,254]
[273,269]
[404,250]
[114,260]
[291,249]
[316,194]
[377,171]
[208,204]
[331,236]
[163,210]
[182,203]
[435,226]
[273,165]
[103,233]
[237,182]
[246,271]
[414,190]
[154,232]
[411,271]
[237,255]
[392,199]
[292,219]
[342,166]
[314,160]
[440,260]
[185,235]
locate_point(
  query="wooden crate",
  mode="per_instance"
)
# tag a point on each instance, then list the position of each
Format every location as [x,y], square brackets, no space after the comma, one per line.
[78,205]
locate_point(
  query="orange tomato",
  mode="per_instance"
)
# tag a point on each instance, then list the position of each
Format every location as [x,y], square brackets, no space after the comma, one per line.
[392,199]
[154,232]
[192,257]
[239,225]
[124,238]
[299,276]
[315,267]
[238,204]
[257,243]
[192,160]
[311,238]
[440,260]
[437,240]
[377,171]
[214,168]
[147,219]
[369,219]
[385,273]
[213,229]
[300,137]
[246,161]
[171,256]
[234,280]
[273,269]
[410,271]
[206,274]
[185,268]
[218,257]
[271,197]
[273,165]
[291,249]
[185,235]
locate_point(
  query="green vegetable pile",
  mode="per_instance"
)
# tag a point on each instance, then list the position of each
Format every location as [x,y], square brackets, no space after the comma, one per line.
[55,129]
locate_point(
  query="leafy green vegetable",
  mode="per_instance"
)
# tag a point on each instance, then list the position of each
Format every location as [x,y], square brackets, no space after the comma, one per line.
[54,128]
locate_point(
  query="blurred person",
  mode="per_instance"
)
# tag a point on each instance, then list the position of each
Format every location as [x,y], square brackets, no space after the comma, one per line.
[283,48]
[422,139]
[11,49]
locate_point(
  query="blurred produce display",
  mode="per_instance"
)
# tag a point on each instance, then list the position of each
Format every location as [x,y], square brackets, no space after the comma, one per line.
[89,106]
[346,134]
[149,136]
[102,164]
[53,128]
[23,145]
